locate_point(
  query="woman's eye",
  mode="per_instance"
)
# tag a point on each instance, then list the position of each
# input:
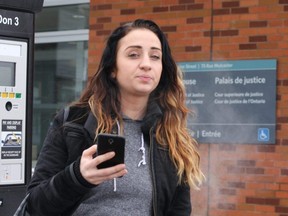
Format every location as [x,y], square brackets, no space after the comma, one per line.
[133,55]
[155,57]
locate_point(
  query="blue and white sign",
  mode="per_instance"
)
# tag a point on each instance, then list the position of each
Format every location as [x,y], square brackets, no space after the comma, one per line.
[263,134]
[233,101]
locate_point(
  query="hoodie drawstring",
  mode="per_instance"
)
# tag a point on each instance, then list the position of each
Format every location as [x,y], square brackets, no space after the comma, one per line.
[142,149]
[142,162]
[115,180]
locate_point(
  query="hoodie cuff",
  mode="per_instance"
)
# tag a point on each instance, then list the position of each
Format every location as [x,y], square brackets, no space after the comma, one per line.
[77,176]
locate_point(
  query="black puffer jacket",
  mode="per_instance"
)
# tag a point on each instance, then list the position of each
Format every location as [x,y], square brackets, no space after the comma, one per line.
[57,186]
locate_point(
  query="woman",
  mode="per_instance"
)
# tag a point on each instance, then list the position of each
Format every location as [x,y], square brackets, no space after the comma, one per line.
[136,92]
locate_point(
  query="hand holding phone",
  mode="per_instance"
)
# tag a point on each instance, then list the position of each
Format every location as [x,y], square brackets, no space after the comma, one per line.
[108,143]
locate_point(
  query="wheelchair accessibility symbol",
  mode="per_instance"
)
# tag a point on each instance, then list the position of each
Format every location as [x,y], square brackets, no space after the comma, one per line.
[263,134]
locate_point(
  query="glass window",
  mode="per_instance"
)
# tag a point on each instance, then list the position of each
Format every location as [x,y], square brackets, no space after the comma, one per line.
[59,77]
[61,58]
[61,18]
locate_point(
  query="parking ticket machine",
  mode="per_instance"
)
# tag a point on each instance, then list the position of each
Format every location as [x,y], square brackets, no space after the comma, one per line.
[16,86]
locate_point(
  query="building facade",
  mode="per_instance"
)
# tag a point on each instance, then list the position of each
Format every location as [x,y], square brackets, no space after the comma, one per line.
[242,179]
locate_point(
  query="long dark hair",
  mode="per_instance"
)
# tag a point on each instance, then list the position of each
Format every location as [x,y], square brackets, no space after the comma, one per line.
[102,96]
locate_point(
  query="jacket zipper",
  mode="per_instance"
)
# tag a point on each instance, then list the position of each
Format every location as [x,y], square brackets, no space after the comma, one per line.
[154,199]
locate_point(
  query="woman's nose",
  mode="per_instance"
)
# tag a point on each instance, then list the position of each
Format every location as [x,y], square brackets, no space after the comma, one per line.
[145,64]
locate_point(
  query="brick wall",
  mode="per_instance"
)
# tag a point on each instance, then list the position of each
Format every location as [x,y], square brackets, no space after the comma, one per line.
[242,180]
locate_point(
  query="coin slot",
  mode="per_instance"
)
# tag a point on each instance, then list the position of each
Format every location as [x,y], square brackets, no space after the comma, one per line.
[8,106]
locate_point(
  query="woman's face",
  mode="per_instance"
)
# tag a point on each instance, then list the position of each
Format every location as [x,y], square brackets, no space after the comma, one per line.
[138,63]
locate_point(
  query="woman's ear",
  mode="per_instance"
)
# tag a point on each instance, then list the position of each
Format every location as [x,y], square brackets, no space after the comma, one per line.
[113,75]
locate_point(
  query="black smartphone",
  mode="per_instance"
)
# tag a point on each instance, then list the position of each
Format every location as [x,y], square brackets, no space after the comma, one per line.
[107,143]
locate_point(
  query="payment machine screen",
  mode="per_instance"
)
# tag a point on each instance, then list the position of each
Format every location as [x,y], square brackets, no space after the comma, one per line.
[7,73]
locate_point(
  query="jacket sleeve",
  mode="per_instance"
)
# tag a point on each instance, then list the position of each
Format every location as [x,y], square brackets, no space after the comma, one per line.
[54,187]
[181,204]
[171,197]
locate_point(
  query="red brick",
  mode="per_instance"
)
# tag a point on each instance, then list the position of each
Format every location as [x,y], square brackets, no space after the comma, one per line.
[227,206]
[186,1]
[256,171]
[225,191]
[260,38]
[160,9]
[97,26]
[235,170]
[227,147]
[169,28]
[214,33]
[281,209]
[265,208]
[230,4]
[285,82]
[282,120]
[233,32]
[177,7]
[266,148]
[104,20]
[258,24]
[240,10]
[284,187]
[195,20]
[263,201]
[104,32]
[221,12]
[284,172]
[237,184]
[246,163]
[247,46]
[127,11]
[102,7]
[195,7]
[193,48]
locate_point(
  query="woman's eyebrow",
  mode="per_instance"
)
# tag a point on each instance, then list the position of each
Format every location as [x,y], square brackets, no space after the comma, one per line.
[140,47]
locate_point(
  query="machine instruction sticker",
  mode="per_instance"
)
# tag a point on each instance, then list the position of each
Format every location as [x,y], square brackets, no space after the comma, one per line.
[11,139]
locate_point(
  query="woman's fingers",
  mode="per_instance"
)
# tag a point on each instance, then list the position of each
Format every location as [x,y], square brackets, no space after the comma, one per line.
[97,176]
[90,151]
[104,157]
[109,173]
[89,163]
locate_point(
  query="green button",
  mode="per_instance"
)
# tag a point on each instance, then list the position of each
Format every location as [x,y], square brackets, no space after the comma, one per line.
[18,95]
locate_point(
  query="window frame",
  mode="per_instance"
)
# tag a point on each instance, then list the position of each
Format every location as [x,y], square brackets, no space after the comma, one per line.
[48,3]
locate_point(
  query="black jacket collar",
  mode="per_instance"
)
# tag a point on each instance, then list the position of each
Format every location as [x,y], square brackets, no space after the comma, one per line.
[90,125]
[153,114]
